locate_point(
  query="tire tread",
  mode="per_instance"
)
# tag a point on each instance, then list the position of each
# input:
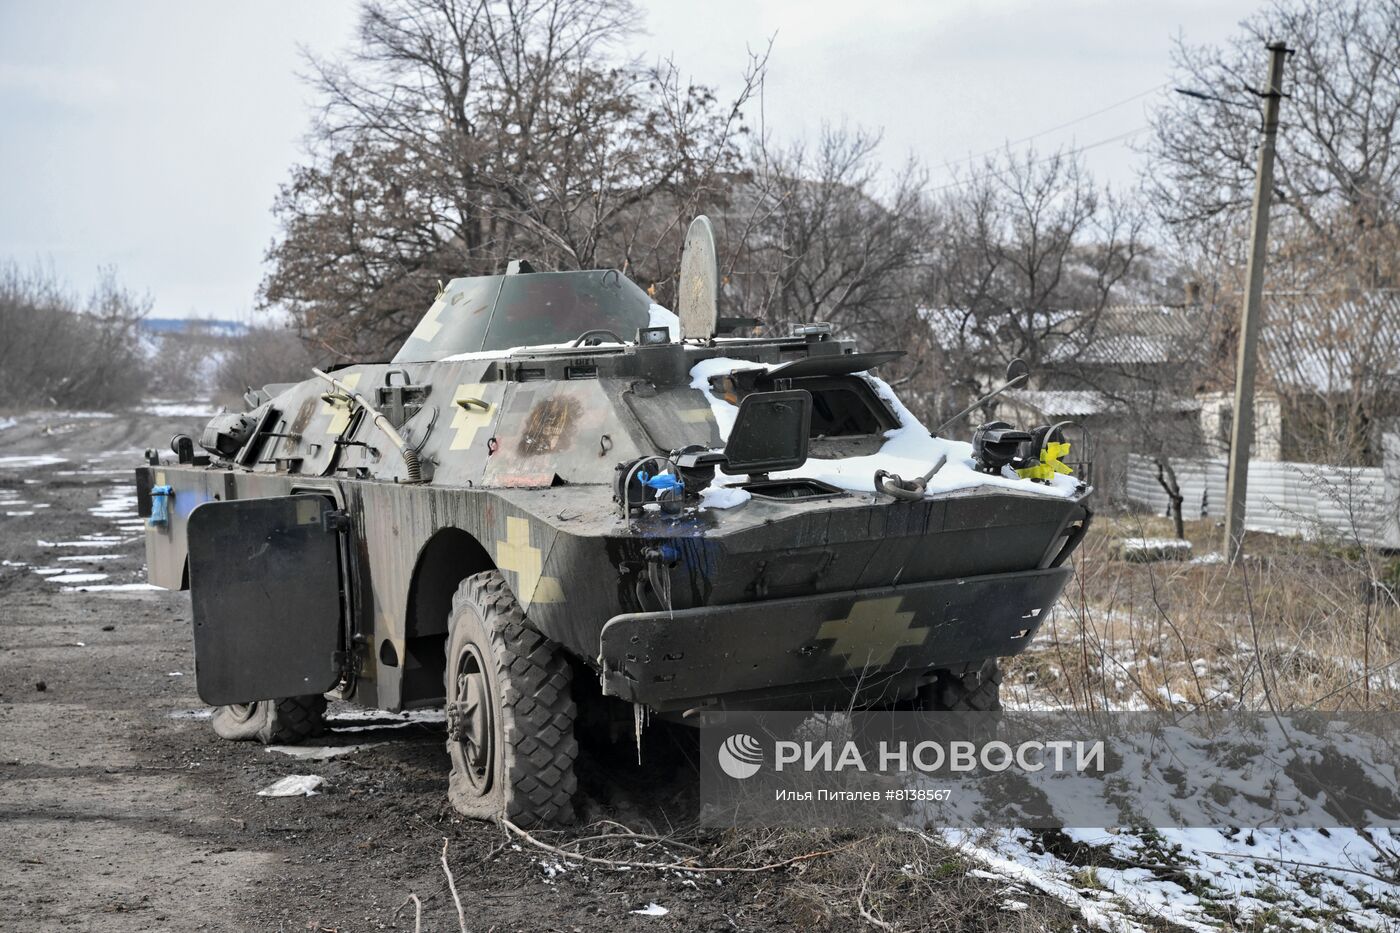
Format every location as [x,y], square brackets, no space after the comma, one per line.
[537,706]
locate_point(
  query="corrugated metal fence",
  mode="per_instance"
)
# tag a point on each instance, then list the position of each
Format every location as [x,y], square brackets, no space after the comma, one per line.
[1352,504]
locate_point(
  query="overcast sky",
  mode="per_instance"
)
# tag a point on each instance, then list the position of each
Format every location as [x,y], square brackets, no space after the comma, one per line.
[152,136]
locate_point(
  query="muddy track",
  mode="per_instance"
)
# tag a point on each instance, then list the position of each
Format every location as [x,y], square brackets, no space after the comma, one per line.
[120,810]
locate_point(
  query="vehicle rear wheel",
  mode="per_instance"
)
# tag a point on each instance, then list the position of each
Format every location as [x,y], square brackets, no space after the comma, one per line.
[975,690]
[272,722]
[510,711]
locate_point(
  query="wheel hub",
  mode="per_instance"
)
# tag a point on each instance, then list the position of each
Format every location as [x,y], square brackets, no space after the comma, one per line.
[469,721]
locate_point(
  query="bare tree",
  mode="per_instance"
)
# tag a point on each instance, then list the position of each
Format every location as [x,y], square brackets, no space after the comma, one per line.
[1337,177]
[1331,349]
[259,357]
[821,234]
[63,350]
[460,134]
[1029,253]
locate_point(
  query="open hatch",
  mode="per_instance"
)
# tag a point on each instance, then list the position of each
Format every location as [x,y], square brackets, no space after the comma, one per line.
[848,418]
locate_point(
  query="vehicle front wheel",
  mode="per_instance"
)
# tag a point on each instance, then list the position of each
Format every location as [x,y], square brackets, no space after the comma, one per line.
[272,722]
[510,711]
[975,690]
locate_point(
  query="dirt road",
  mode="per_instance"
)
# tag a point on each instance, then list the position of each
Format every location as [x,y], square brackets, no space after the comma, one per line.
[119,808]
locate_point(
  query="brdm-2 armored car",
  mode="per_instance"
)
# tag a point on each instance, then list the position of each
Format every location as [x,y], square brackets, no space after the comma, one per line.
[558,485]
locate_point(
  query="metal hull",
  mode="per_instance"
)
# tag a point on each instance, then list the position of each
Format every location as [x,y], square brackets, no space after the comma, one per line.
[576,568]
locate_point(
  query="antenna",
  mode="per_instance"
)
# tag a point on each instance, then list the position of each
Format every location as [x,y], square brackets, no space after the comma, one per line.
[1017,372]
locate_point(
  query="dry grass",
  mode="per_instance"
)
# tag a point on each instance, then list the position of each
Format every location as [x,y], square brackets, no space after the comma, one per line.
[821,879]
[1297,625]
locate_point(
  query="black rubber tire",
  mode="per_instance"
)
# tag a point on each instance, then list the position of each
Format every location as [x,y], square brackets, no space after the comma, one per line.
[527,776]
[975,690]
[272,722]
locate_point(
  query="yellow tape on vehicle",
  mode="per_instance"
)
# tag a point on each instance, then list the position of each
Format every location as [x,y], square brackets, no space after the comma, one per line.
[1050,456]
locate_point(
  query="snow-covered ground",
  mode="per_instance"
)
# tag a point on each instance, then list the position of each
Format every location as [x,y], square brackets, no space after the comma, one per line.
[1201,879]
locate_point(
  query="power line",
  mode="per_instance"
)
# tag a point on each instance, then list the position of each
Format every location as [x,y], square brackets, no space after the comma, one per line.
[1056,129]
[962,183]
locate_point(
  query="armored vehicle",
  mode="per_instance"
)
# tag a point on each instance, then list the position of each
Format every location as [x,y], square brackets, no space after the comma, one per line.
[559,500]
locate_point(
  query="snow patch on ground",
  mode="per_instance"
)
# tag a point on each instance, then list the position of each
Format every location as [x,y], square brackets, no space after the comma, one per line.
[294,785]
[71,578]
[320,752]
[359,715]
[193,409]
[1201,879]
[354,719]
[89,541]
[117,502]
[19,462]
[114,588]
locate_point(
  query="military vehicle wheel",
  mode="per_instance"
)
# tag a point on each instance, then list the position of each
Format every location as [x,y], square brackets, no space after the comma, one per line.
[285,721]
[510,711]
[976,690]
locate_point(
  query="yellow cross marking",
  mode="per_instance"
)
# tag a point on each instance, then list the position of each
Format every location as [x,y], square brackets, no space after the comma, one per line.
[340,410]
[467,420]
[693,415]
[871,633]
[428,328]
[517,555]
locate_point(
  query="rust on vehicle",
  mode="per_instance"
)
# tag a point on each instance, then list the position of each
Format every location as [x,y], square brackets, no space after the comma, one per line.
[549,426]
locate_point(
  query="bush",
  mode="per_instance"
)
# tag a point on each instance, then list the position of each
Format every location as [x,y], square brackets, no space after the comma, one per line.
[186,362]
[262,356]
[61,351]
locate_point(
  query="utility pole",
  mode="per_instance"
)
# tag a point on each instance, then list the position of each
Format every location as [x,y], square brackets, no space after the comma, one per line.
[1242,429]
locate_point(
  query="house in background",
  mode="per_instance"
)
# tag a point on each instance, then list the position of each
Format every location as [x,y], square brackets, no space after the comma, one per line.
[1158,380]
[1334,363]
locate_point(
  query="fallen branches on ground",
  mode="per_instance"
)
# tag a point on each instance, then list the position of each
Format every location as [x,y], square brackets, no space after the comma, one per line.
[452,886]
[680,865]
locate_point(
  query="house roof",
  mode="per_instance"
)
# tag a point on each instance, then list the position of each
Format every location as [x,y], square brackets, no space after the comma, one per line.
[1309,341]
[1082,403]
[1326,343]
[1136,335]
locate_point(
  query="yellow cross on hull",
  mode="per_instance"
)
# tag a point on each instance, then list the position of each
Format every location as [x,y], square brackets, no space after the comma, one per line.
[872,632]
[518,556]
